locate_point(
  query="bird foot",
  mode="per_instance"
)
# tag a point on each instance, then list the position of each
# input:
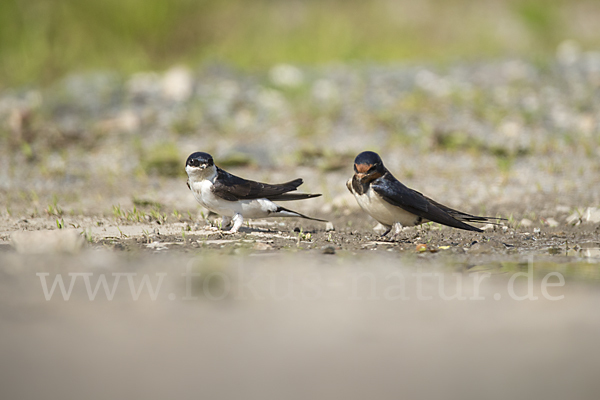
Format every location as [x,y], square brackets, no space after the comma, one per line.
[225,222]
[238,220]
[397,229]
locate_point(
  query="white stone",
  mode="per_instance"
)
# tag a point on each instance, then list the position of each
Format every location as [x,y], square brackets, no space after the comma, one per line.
[592,214]
[178,84]
[574,219]
[325,92]
[156,245]
[552,222]
[286,75]
[526,223]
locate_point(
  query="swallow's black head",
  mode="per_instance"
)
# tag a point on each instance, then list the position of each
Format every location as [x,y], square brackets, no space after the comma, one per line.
[368,163]
[199,160]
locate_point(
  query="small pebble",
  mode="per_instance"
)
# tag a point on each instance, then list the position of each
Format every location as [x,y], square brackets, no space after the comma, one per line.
[481,248]
[261,246]
[574,219]
[328,250]
[526,223]
[552,222]
[592,214]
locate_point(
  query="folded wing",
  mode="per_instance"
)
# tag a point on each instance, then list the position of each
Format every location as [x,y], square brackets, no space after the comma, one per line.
[395,193]
[232,188]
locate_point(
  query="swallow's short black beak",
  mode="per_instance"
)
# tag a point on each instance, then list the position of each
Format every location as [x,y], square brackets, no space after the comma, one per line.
[368,165]
[199,160]
[196,163]
[362,170]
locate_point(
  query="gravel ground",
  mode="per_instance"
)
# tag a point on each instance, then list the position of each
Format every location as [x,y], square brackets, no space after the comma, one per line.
[294,308]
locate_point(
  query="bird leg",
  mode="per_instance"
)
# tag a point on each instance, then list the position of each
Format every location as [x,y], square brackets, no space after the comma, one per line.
[382,228]
[386,232]
[238,220]
[225,222]
[397,229]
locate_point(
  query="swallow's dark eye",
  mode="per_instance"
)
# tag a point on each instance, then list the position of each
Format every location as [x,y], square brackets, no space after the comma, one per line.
[194,163]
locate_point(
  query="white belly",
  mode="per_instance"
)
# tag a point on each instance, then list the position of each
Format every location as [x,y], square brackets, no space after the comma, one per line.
[258,208]
[384,212]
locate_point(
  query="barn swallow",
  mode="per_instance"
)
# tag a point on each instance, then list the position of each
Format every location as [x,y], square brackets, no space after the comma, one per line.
[235,198]
[387,200]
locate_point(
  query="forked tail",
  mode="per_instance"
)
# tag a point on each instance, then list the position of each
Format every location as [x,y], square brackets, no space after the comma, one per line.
[297,214]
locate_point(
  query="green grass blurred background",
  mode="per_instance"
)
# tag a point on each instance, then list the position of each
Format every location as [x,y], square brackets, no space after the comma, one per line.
[42,40]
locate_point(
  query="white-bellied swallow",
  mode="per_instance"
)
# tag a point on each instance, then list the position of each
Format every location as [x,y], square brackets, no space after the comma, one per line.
[235,198]
[387,200]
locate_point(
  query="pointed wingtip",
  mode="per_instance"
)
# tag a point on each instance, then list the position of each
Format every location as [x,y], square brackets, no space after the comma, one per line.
[462,225]
[296,182]
[293,196]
